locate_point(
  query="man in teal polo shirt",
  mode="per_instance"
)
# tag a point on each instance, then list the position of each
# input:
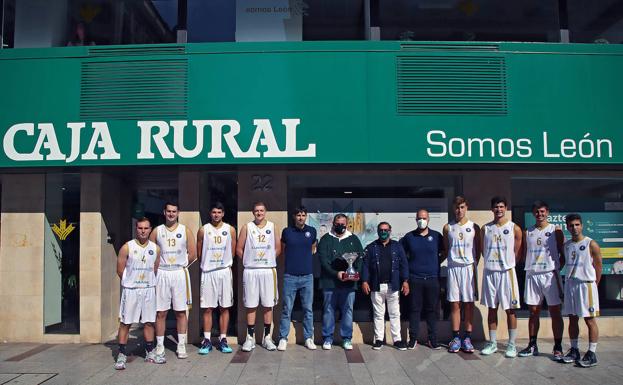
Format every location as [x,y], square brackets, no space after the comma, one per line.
[339,293]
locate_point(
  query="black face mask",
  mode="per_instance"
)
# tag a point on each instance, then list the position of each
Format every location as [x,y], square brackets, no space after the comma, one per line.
[339,228]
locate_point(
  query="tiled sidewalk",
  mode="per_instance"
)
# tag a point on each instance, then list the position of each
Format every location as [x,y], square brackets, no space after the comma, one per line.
[93,364]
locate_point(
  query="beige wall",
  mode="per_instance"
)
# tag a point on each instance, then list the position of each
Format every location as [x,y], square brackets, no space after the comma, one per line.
[21,257]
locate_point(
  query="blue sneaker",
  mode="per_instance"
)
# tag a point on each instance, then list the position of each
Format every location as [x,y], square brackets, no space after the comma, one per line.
[223,346]
[206,347]
[454,345]
[467,346]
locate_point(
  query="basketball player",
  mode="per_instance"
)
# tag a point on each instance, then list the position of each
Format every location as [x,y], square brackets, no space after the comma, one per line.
[136,266]
[462,248]
[583,261]
[216,242]
[543,253]
[501,240]
[258,249]
[177,245]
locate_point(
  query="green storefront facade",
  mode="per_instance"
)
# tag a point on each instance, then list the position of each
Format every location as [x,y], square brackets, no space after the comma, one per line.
[364,127]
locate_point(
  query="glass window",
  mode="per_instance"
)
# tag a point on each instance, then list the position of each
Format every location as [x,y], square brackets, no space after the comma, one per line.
[7,23]
[92,22]
[367,200]
[595,21]
[106,22]
[478,20]
[333,20]
[600,202]
[61,302]
[213,20]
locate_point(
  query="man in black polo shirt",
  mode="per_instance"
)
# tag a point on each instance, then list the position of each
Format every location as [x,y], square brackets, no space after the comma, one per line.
[423,247]
[298,243]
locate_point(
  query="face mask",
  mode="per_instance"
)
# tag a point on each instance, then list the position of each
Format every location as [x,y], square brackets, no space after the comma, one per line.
[339,228]
[383,234]
[422,224]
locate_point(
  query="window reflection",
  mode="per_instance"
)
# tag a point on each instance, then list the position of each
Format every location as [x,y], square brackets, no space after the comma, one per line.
[465,20]
[595,22]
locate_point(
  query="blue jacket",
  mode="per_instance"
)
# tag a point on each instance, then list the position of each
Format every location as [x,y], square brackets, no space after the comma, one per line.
[370,270]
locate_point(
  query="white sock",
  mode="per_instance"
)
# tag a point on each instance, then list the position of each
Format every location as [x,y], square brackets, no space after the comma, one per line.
[493,335]
[222,336]
[159,340]
[207,335]
[512,334]
[181,338]
[574,343]
[592,346]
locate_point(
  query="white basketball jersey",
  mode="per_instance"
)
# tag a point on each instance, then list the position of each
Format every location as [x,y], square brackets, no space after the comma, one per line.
[139,269]
[499,246]
[461,243]
[173,251]
[542,249]
[216,251]
[259,247]
[578,260]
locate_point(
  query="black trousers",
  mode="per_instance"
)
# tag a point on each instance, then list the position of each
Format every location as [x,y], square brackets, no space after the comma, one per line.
[424,295]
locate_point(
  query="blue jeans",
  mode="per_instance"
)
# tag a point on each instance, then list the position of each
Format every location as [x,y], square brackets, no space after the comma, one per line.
[291,285]
[342,300]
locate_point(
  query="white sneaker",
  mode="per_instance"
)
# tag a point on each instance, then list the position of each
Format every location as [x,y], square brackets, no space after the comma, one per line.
[327,345]
[160,350]
[249,344]
[121,361]
[283,344]
[268,343]
[181,351]
[309,344]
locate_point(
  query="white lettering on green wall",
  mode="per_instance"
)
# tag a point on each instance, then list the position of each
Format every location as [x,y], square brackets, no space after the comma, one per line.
[47,145]
[441,145]
[263,142]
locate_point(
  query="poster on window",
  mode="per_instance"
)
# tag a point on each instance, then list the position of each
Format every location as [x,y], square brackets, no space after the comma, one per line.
[364,214]
[606,228]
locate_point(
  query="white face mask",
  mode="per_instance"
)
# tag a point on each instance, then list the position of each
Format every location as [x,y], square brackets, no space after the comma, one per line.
[422,224]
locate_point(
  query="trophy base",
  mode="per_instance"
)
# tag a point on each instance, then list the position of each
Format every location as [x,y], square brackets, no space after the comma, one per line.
[350,277]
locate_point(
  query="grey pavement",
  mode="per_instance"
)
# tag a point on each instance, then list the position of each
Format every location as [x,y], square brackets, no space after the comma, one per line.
[93,364]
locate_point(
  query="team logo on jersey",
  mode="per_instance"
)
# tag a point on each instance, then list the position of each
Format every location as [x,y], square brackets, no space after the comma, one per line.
[307,234]
[591,309]
[582,247]
[267,231]
[224,232]
[430,238]
[514,302]
[151,252]
[468,230]
[178,235]
[547,234]
[506,231]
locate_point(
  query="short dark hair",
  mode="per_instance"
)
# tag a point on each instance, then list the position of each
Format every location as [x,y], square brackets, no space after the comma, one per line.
[573,217]
[169,203]
[259,203]
[217,205]
[338,216]
[143,219]
[538,204]
[299,209]
[378,227]
[498,199]
[459,200]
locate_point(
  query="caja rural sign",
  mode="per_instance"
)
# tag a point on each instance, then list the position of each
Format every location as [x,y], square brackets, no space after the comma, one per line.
[289,140]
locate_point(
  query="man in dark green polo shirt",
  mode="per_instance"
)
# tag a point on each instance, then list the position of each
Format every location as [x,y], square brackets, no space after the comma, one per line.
[339,293]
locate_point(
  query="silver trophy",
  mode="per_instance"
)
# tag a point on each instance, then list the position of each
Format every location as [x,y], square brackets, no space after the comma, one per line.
[350,274]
